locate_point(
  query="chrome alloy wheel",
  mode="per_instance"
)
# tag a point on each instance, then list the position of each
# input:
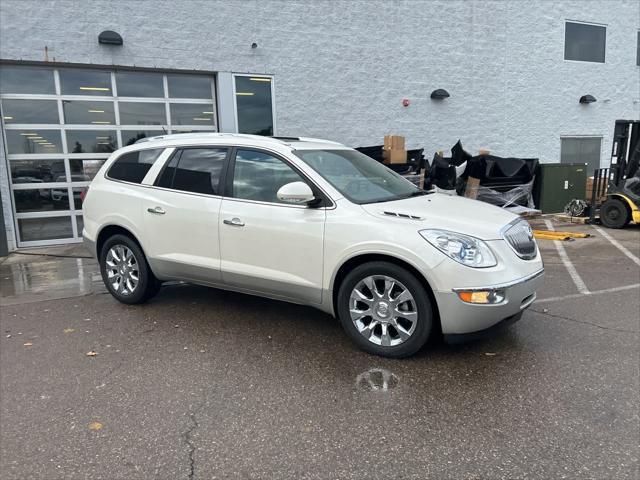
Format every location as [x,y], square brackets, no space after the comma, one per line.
[383,310]
[122,270]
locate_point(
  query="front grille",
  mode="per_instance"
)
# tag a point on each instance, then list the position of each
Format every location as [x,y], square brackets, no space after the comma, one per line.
[519,236]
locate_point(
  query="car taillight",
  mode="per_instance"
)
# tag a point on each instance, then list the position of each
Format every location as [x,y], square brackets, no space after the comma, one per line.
[83,193]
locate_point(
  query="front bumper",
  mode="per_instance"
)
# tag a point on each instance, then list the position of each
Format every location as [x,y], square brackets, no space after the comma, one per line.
[458,317]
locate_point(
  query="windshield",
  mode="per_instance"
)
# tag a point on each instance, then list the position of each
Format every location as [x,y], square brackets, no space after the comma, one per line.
[359,178]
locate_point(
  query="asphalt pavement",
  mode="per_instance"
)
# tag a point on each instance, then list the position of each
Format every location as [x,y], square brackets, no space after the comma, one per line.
[203,384]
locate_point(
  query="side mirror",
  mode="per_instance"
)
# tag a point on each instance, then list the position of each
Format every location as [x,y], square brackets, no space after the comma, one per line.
[295,192]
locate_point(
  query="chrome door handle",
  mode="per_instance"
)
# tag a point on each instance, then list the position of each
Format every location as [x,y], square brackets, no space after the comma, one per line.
[156,210]
[234,222]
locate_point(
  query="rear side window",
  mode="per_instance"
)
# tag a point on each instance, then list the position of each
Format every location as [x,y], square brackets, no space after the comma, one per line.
[196,170]
[133,166]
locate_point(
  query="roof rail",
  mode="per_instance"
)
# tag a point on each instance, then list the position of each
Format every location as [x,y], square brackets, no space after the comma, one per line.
[280,140]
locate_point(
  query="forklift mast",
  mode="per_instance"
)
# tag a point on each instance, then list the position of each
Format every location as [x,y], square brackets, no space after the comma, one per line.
[625,153]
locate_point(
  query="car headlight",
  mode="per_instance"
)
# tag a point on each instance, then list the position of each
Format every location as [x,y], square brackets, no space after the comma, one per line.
[469,251]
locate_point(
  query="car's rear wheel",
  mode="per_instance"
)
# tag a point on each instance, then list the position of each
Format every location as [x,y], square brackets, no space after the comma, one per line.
[385,309]
[125,271]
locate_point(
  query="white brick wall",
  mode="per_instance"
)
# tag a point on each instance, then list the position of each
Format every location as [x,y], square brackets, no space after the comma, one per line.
[342,68]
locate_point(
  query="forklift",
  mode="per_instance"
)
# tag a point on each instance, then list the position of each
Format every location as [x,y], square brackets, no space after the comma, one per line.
[622,203]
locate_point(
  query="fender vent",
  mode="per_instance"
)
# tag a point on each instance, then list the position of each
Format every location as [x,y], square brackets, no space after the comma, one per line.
[402,215]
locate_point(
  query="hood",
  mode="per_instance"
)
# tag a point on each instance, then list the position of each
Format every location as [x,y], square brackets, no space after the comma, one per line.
[436,210]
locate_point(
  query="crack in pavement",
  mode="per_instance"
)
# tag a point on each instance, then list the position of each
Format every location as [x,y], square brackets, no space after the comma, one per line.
[189,442]
[584,322]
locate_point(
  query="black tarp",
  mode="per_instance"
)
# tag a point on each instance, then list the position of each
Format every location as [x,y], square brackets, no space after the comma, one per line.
[498,175]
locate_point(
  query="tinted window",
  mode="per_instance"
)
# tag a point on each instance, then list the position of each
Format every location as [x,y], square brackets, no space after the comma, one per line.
[91,141]
[96,112]
[133,166]
[85,169]
[581,150]
[142,113]
[33,141]
[189,86]
[584,42]
[26,80]
[129,137]
[37,171]
[30,111]
[85,82]
[259,176]
[253,103]
[130,84]
[196,170]
[191,114]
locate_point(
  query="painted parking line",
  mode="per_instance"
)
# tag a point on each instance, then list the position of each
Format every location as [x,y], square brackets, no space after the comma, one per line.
[618,245]
[595,292]
[573,273]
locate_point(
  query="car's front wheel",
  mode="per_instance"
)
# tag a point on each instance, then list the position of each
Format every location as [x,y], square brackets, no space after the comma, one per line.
[125,271]
[385,309]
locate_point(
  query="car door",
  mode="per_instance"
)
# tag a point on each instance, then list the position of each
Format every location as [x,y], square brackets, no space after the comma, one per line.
[181,213]
[268,246]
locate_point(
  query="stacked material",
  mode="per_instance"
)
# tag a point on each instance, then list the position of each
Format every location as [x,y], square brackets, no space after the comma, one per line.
[497,180]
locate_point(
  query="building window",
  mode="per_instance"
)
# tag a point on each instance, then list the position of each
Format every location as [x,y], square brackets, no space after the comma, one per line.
[584,42]
[638,50]
[61,125]
[254,104]
[581,150]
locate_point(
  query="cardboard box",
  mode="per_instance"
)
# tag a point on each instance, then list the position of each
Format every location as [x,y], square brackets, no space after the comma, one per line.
[394,156]
[393,142]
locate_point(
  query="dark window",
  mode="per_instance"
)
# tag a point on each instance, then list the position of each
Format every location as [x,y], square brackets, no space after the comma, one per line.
[195,170]
[638,51]
[30,111]
[33,141]
[258,176]
[85,82]
[91,141]
[165,179]
[189,86]
[581,150]
[26,80]
[142,113]
[584,42]
[129,137]
[96,112]
[192,114]
[138,84]
[253,103]
[133,166]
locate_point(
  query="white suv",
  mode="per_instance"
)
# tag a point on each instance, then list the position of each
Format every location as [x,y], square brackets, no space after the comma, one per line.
[313,222]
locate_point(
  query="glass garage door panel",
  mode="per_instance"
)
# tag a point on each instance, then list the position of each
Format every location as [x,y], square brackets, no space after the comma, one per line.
[57,142]
[50,228]
[30,111]
[33,141]
[91,141]
[36,171]
[30,80]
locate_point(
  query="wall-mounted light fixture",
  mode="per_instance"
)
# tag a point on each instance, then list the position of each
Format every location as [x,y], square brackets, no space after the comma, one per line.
[109,37]
[440,94]
[254,45]
[587,99]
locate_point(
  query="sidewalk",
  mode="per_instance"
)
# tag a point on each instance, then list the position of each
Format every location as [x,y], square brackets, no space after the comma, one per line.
[48,273]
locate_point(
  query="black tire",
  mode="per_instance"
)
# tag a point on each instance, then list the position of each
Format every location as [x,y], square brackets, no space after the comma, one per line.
[424,322]
[614,213]
[147,285]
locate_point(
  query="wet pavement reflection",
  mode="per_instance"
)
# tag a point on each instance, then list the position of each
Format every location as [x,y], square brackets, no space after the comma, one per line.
[29,277]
